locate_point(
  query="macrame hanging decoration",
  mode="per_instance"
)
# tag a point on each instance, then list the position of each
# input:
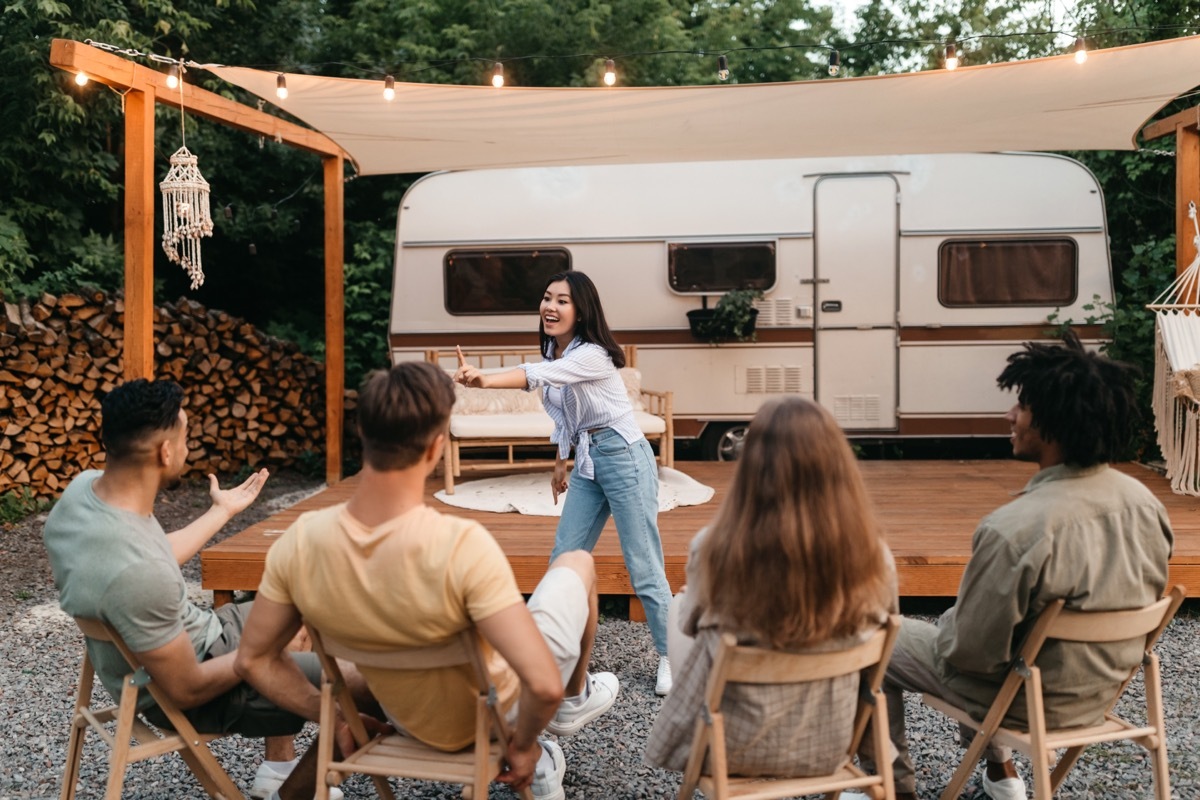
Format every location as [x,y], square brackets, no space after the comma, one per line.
[1176,398]
[186,215]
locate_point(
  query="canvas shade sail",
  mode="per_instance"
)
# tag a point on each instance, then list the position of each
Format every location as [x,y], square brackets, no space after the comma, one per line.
[1042,104]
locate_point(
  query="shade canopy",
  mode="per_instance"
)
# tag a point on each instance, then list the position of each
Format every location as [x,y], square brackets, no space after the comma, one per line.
[1042,104]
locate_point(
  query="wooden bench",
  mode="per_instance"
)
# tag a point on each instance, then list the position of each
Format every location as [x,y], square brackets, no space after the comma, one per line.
[512,418]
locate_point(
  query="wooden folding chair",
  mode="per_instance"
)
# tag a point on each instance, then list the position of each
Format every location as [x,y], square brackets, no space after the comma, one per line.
[183,739]
[736,664]
[1072,626]
[399,755]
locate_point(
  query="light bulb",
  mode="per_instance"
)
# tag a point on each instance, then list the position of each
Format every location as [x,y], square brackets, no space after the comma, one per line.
[173,77]
[951,57]
[498,75]
[1081,53]
[389,88]
[81,78]
[835,63]
[722,68]
[281,87]
[610,72]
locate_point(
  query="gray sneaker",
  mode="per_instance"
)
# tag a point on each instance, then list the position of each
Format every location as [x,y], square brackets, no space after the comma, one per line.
[547,784]
[602,693]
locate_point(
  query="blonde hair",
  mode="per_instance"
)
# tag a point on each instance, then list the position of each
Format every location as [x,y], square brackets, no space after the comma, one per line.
[795,554]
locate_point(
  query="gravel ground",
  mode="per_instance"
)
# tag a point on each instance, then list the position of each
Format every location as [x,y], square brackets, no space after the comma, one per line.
[39,661]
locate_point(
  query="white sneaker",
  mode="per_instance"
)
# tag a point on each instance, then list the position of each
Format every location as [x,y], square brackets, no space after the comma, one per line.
[662,687]
[334,794]
[547,783]
[602,689]
[1004,789]
[268,778]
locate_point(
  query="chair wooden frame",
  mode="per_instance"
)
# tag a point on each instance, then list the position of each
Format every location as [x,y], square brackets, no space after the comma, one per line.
[737,664]
[396,754]
[183,739]
[1038,742]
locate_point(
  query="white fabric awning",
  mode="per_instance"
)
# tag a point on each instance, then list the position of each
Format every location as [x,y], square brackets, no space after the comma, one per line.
[1042,104]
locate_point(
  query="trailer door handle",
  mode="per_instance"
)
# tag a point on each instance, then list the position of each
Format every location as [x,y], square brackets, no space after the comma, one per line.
[831,305]
[810,281]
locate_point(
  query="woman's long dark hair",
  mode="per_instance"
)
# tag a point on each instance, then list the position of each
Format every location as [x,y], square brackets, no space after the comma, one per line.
[795,554]
[590,324]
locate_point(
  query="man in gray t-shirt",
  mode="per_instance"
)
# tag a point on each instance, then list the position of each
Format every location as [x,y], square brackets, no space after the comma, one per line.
[113,561]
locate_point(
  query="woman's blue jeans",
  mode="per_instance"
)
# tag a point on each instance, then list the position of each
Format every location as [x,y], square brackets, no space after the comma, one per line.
[625,486]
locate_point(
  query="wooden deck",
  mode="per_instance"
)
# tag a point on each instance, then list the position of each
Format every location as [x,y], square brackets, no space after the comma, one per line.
[928,508]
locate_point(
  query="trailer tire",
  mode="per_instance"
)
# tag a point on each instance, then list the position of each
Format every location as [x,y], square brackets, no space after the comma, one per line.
[723,442]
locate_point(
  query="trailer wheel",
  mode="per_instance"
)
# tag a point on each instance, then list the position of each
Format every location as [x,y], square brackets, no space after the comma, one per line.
[724,442]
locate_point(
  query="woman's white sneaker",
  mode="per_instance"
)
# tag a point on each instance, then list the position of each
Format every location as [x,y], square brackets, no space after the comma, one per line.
[662,686]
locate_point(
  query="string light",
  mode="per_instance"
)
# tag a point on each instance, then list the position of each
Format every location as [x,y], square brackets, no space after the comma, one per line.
[610,72]
[951,57]
[389,88]
[835,63]
[498,75]
[281,87]
[81,79]
[722,68]
[1080,51]
[173,77]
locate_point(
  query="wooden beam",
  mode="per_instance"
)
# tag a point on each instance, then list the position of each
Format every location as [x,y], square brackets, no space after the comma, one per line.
[116,71]
[138,361]
[146,86]
[1189,117]
[1187,189]
[335,318]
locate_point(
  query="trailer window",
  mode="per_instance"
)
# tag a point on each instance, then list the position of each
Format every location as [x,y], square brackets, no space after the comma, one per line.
[506,281]
[1008,272]
[704,268]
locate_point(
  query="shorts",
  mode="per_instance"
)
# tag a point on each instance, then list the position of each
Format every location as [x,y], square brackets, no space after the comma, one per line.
[242,709]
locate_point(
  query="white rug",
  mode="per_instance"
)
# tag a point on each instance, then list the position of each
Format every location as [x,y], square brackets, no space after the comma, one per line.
[530,493]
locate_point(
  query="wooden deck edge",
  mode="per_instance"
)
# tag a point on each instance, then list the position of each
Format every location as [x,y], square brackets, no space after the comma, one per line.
[917,578]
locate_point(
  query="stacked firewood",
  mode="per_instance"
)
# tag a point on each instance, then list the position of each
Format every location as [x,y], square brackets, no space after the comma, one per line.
[251,398]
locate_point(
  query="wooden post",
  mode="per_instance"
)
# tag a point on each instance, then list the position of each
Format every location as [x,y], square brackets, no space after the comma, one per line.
[1187,189]
[335,319]
[139,233]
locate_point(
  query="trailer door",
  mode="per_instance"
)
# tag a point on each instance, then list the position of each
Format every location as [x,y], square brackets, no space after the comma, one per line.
[856,299]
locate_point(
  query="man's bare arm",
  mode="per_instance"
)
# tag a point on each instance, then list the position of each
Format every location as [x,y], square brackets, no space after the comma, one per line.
[514,635]
[227,503]
[187,681]
[263,662]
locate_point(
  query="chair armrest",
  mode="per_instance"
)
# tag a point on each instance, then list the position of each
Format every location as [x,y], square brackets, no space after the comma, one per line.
[657,403]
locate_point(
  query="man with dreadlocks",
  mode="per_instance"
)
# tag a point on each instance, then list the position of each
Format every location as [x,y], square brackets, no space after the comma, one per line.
[1080,530]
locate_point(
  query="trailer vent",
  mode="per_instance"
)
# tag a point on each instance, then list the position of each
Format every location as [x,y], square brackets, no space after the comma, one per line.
[772,380]
[853,410]
[775,311]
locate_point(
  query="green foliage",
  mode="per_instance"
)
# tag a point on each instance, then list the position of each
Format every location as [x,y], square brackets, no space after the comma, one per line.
[18,504]
[732,319]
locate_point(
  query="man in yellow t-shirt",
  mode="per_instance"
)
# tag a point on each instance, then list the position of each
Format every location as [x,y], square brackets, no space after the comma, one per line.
[384,570]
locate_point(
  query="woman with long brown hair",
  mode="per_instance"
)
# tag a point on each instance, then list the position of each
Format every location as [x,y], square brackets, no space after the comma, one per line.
[793,561]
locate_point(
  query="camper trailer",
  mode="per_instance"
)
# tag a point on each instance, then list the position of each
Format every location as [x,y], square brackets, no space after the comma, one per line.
[892,287]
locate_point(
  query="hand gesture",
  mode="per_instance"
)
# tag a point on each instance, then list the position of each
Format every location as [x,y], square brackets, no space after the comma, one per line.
[234,501]
[518,765]
[558,481]
[467,375]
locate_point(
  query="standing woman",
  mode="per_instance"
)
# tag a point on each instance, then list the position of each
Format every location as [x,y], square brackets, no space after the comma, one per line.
[615,472]
[793,561]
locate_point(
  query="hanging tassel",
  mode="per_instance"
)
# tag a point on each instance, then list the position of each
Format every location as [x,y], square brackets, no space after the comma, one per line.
[186,214]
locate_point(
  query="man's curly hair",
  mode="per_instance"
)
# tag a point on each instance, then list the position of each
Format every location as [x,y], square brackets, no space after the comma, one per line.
[134,410]
[1079,399]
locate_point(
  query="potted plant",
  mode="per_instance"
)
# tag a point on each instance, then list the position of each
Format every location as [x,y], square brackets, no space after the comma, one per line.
[732,320]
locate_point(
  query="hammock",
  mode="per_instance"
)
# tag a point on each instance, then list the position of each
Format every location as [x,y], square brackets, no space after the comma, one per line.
[1177,374]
